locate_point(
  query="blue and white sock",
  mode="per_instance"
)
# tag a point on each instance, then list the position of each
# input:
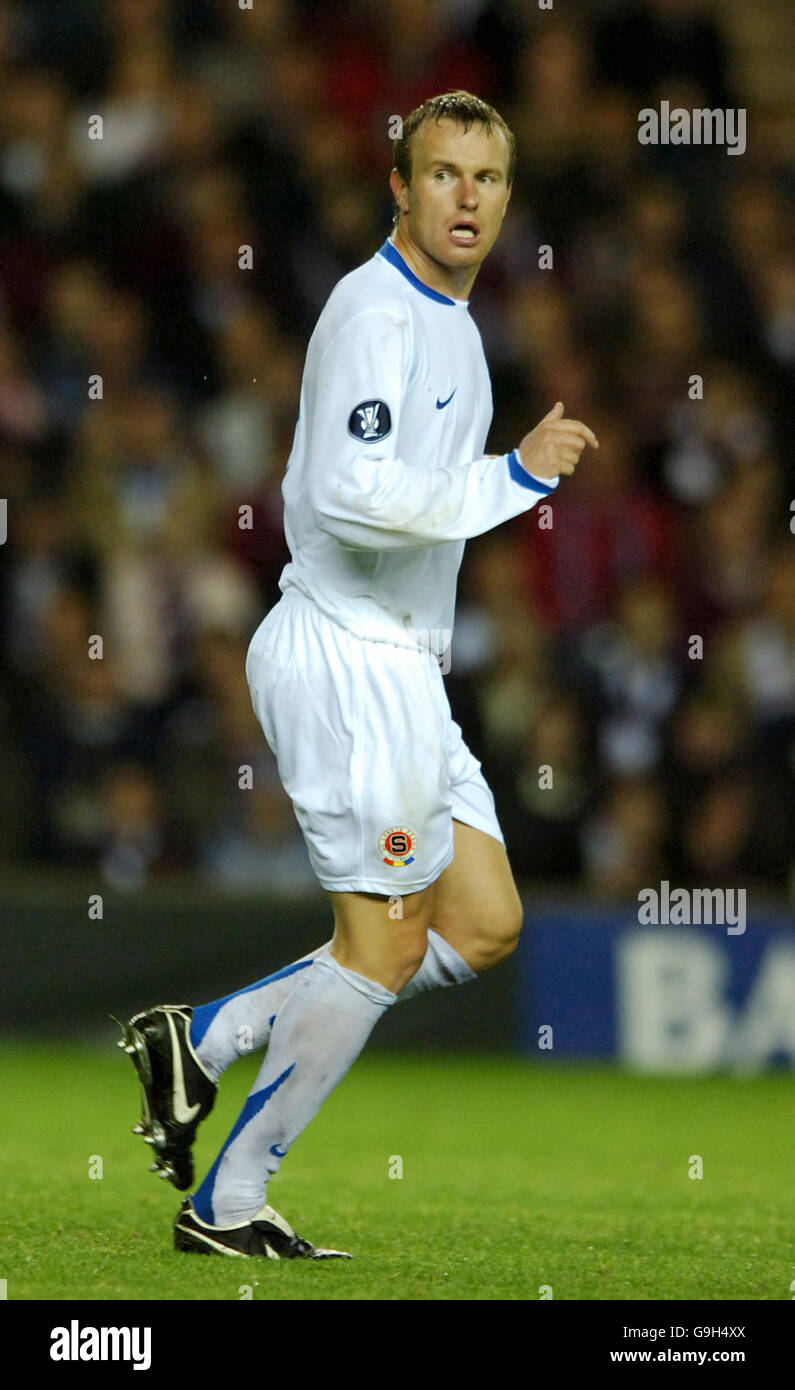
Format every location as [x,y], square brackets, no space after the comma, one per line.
[241,1023]
[318,1034]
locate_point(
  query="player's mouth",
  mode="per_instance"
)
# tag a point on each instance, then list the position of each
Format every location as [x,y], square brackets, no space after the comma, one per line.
[464,233]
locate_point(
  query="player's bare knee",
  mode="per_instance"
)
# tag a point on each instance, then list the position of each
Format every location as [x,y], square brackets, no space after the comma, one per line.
[375,941]
[392,969]
[498,938]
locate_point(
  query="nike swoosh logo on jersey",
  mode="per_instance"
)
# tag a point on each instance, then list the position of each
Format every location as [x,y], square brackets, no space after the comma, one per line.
[183,1113]
[440,405]
[277,1151]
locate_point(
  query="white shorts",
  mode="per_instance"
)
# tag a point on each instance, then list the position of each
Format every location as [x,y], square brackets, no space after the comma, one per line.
[367,750]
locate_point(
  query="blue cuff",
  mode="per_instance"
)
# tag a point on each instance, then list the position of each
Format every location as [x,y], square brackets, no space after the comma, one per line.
[520,475]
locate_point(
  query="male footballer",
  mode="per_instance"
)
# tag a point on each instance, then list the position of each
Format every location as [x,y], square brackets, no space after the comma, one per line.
[386,481]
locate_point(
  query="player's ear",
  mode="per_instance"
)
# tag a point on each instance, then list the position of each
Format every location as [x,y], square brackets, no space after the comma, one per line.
[507,199]
[399,191]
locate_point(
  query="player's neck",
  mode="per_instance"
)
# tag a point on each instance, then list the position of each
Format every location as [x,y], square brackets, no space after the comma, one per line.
[454,282]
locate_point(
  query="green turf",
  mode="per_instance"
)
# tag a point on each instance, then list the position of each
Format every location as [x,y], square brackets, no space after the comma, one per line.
[515,1175]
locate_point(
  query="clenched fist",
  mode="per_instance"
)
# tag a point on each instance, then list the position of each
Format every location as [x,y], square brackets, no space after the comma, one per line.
[554,446]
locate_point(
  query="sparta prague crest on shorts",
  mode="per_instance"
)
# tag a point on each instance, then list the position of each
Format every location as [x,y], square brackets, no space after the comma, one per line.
[398,846]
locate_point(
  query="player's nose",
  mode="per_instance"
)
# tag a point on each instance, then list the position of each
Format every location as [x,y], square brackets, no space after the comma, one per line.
[468,193]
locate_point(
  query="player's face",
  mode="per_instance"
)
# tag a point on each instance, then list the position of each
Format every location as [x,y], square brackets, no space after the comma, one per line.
[458,195]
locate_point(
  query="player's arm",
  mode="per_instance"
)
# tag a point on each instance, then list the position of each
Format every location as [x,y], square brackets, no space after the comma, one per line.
[365,495]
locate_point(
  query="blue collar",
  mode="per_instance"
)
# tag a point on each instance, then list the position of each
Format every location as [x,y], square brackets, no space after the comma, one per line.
[391,254]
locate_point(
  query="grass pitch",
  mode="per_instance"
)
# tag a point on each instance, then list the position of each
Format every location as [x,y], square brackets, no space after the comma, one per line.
[516,1175]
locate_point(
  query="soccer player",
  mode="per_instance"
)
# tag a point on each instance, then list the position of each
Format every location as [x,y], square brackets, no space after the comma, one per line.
[386,481]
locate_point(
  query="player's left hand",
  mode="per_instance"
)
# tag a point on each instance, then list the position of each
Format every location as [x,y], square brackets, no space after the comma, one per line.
[554,446]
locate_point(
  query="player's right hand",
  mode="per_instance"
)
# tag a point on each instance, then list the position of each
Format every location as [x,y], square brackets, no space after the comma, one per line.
[555,445]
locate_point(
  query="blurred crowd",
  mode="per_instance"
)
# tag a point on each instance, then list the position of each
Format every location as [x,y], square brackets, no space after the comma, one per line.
[627,673]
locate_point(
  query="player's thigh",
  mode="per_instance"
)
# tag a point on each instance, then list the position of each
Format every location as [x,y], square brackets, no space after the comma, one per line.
[360,745]
[477,907]
[382,938]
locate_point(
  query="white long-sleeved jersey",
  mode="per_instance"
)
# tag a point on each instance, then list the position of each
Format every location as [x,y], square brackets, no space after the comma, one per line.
[386,479]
